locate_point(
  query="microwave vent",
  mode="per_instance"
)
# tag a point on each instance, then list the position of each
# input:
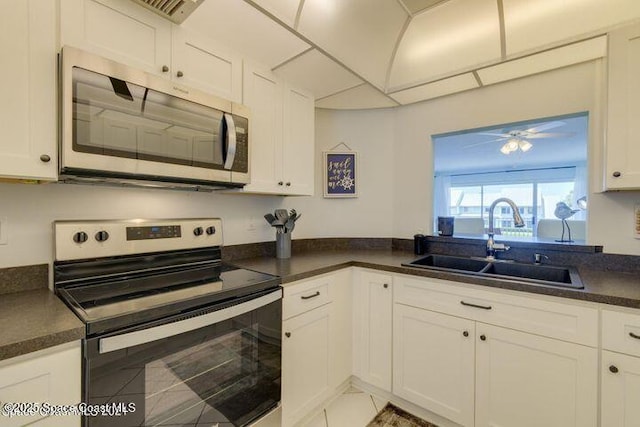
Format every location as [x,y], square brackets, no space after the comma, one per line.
[174,10]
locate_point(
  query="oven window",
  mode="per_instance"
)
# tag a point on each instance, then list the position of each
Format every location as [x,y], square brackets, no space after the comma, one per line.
[116,118]
[227,374]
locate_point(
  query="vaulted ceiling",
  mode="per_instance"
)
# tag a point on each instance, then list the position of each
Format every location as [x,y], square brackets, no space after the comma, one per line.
[383,53]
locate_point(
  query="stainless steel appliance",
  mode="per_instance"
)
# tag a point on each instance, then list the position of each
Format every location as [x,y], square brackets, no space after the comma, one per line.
[122,125]
[174,336]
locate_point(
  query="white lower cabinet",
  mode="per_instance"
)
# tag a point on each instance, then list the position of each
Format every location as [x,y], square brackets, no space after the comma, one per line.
[620,390]
[316,343]
[479,374]
[49,376]
[526,380]
[372,310]
[433,367]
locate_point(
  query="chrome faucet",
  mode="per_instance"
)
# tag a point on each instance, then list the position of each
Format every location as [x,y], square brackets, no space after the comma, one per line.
[492,246]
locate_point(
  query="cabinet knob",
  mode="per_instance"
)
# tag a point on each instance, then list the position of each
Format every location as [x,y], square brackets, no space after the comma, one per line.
[617,174]
[465,333]
[280,183]
[483,337]
[288,184]
[287,334]
[45,158]
[179,74]
[613,369]
[165,69]
[386,285]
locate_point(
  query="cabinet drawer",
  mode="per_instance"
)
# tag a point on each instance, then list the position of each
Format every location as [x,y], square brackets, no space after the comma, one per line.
[621,332]
[542,316]
[305,295]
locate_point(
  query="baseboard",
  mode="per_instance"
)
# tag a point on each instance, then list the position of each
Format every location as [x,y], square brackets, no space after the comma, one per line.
[326,402]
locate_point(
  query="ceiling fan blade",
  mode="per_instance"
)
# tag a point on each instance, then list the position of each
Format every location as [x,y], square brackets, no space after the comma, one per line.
[545,126]
[550,135]
[503,135]
[484,142]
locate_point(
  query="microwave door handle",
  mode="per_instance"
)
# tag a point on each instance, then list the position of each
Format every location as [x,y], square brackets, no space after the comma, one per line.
[231,141]
[144,336]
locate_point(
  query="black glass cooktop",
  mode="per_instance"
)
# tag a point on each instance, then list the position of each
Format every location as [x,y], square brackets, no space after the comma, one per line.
[107,303]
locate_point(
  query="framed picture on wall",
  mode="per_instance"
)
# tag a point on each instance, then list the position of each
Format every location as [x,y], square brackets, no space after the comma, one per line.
[340,174]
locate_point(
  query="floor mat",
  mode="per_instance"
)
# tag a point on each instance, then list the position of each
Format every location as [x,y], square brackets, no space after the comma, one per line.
[392,416]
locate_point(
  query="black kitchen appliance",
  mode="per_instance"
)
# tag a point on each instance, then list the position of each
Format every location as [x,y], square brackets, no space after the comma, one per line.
[174,336]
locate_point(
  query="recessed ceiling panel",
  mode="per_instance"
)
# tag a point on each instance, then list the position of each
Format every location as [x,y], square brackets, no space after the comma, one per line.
[285,10]
[545,61]
[534,24]
[358,98]
[436,89]
[362,34]
[246,30]
[318,74]
[453,36]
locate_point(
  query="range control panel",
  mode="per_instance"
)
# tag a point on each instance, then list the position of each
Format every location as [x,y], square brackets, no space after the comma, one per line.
[98,239]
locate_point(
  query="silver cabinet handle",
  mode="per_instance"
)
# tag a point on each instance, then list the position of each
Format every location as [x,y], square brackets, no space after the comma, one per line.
[317,294]
[155,333]
[45,158]
[468,304]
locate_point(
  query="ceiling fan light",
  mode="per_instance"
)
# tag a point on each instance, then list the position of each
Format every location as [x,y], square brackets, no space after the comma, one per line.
[512,144]
[525,145]
[505,149]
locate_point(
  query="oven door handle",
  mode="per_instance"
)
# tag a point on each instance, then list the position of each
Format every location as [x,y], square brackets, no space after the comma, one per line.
[132,339]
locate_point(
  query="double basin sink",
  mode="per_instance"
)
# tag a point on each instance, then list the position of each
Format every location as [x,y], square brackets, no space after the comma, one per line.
[530,273]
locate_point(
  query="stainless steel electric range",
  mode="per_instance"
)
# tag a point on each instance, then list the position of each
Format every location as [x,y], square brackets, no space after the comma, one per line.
[174,336]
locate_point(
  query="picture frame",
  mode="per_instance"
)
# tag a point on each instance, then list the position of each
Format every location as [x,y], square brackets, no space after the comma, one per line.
[340,174]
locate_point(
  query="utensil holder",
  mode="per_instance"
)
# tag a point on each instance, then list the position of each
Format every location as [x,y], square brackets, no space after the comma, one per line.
[283,245]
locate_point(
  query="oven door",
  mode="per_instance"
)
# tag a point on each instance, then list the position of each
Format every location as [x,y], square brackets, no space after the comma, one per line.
[216,366]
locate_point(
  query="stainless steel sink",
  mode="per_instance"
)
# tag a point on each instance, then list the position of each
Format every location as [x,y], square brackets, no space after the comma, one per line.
[531,273]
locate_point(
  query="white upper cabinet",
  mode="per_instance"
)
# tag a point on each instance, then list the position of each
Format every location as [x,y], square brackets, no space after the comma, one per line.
[200,62]
[622,151]
[531,25]
[281,132]
[360,33]
[452,36]
[119,30]
[28,120]
[133,35]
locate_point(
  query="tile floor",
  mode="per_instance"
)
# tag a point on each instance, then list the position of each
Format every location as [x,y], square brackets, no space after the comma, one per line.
[353,408]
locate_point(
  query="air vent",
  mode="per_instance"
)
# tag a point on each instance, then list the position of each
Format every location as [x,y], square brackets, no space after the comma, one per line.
[173,10]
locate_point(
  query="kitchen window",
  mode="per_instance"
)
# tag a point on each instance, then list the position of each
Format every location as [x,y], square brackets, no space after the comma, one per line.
[537,164]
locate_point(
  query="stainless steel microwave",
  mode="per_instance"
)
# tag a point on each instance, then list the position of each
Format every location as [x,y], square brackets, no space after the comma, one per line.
[123,125]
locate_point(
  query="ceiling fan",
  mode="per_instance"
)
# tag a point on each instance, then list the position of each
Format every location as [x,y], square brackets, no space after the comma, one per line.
[518,139]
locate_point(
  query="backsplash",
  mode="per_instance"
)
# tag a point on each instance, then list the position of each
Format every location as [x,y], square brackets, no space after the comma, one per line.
[26,278]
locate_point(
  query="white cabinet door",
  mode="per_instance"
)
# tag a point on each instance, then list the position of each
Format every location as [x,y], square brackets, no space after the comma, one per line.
[52,375]
[28,79]
[262,93]
[434,362]
[298,148]
[305,363]
[526,380]
[620,390]
[118,30]
[202,63]
[372,328]
[623,126]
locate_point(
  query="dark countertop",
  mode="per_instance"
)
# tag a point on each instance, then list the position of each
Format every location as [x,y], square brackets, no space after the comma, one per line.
[608,287]
[33,320]
[32,317]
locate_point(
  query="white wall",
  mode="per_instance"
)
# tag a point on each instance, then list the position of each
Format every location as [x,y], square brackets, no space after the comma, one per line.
[371,134]
[30,210]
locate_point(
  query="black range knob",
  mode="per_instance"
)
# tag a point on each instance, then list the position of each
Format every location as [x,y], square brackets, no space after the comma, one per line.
[80,237]
[198,231]
[211,230]
[102,236]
